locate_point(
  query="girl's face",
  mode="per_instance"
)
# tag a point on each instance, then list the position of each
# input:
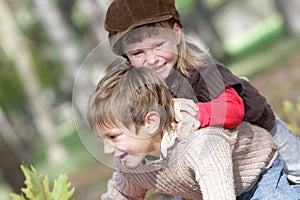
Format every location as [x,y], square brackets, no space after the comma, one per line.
[130,146]
[158,52]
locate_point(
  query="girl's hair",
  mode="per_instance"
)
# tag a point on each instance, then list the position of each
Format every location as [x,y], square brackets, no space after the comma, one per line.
[125,95]
[188,58]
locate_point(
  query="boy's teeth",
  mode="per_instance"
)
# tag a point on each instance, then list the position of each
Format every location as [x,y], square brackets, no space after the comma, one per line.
[123,155]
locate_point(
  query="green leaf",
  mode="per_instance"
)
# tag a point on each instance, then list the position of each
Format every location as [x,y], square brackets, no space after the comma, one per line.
[17,197]
[61,189]
[35,185]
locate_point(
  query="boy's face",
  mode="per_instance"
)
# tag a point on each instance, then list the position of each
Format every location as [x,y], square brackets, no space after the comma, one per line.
[158,52]
[130,146]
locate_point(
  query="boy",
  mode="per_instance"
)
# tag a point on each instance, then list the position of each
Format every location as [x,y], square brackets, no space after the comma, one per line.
[131,111]
[149,33]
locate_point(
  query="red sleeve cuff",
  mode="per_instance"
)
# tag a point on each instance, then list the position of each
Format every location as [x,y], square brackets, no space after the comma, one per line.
[227,110]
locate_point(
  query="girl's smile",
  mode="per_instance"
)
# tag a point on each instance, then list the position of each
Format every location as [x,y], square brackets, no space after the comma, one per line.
[158,52]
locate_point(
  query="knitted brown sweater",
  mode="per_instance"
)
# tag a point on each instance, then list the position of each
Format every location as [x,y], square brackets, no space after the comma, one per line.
[214,164]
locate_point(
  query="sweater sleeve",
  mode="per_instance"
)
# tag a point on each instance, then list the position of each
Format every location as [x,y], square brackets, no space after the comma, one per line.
[214,169]
[122,188]
[227,110]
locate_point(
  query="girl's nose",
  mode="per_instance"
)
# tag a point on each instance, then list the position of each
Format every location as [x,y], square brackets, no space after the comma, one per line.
[151,57]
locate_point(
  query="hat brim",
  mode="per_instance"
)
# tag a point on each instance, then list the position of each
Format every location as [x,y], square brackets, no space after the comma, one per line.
[115,39]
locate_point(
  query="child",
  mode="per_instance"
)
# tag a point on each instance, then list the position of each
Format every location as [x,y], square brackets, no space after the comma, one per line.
[149,33]
[131,111]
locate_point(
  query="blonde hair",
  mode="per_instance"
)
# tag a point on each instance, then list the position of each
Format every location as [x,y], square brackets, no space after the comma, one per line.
[125,95]
[188,58]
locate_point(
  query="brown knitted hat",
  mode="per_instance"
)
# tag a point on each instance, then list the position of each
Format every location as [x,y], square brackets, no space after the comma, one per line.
[123,15]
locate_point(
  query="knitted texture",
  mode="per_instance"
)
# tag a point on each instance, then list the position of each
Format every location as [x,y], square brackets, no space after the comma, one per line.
[214,164]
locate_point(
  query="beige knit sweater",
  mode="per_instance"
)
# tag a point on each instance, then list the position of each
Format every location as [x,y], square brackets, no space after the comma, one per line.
[214,164]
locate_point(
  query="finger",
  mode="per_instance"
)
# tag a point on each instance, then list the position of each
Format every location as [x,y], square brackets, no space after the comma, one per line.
[189,103]
[196,125]
[186,130]
[178,116]
[176,106]
[181,132]
[188,109]
[189,106]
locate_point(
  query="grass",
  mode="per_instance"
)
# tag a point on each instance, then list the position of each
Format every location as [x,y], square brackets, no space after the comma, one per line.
[255,37]
[272,55]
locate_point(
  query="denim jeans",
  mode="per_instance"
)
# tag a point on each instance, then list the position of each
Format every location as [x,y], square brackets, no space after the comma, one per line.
[289,149]
[272,185]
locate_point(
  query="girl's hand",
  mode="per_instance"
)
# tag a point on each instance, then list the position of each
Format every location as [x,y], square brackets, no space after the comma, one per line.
[185,112]
[186,126]
[184,105]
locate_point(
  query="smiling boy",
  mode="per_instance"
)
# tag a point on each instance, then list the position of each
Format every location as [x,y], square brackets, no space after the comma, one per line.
[131,111]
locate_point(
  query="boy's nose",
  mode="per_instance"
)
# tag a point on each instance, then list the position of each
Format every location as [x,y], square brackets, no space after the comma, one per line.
[108,148]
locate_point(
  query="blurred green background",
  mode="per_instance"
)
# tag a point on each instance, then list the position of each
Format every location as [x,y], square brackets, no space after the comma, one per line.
[44,43]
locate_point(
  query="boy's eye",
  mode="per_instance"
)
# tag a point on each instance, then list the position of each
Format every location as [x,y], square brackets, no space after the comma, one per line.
[112,137]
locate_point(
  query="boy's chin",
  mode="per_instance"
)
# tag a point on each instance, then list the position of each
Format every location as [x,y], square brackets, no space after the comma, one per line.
[132,165]
[134,162]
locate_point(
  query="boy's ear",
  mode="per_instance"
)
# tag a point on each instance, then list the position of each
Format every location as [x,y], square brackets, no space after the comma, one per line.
[177,28]
[152,122]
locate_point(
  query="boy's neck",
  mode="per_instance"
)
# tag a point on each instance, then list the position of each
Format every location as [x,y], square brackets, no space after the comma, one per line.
[157,140]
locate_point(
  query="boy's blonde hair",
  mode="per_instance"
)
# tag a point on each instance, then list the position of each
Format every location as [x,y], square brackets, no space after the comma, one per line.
[125,95]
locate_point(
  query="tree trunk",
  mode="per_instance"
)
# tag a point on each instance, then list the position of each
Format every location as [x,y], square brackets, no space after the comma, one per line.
[12,150]
[59,34]
[290,11]
[10,166]
[10,137]
[16,48]
[204,28]
[95,13]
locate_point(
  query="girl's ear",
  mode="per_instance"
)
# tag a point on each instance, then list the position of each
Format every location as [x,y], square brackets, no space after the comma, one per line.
[177,28]
[152,122]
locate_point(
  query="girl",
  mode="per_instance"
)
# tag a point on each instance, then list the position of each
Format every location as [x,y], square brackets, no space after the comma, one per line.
[149,33]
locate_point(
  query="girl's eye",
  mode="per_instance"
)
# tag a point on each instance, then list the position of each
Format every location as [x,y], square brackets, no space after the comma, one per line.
[136,53]
[159,45]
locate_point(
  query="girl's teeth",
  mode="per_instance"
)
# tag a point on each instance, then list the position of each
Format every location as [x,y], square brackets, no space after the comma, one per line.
[158,68]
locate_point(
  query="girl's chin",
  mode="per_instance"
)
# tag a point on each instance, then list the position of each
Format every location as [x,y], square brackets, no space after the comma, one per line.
[164,74]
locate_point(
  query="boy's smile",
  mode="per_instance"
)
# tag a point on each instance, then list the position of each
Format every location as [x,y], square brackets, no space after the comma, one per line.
[131,146]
